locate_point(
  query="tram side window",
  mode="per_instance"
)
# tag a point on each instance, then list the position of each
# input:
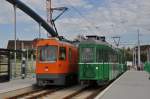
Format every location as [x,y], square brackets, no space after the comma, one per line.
[105,55]
[111,56]
[70,55]
[62,53]
[47,53]
[115,57]
[87,54]
[108,55]
[99,55]
[119,58]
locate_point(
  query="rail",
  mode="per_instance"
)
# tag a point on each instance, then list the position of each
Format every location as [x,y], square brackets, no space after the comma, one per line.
[89,92]
[37,93]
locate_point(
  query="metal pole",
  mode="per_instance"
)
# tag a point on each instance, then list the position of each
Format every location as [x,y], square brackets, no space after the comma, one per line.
[27,56]
[133,62]
[32,61]
[22,47]
[135,57]
[15,37]
[49,13]
[139,58]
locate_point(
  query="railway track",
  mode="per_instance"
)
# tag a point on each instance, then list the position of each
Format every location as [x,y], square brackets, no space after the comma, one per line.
[89,92]
[35,94]
[73,92]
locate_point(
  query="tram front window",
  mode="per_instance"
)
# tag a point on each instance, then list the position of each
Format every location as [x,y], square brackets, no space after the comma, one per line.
[47,53]
[87,55]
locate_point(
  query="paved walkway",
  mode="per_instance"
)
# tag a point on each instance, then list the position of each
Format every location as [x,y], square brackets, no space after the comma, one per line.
[16,84]
[131,85]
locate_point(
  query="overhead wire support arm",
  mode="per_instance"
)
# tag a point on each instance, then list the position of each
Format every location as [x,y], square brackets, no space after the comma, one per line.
[63,9]
[116,42]
[50,11]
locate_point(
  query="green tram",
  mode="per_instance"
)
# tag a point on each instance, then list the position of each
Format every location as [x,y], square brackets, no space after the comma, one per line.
[99,62]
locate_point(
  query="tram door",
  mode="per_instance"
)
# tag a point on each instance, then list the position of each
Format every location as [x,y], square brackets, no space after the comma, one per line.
[4,65]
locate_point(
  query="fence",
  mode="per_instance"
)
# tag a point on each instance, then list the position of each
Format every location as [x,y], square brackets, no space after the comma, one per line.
[11,68]
[16,66]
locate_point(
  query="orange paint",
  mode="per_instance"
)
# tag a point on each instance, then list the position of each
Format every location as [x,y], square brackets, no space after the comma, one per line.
[69,65]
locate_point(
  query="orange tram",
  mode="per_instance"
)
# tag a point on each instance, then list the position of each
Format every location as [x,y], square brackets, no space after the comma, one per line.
[56,62]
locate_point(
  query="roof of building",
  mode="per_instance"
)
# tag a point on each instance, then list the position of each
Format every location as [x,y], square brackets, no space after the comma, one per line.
[20,44]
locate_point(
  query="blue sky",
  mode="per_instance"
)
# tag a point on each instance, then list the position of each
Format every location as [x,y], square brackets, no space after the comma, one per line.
[85,17]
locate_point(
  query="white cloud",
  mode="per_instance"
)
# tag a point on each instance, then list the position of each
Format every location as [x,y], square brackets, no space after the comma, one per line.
[5,12]
[125,16]
[76,3]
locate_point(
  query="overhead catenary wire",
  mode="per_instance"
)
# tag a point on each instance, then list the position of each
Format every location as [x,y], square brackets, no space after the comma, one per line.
[91,24]
[111,18]
[110,14]
[69,19]
[70,15]
[120,19]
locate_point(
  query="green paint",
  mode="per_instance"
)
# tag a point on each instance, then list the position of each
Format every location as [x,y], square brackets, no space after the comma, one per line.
[104,64]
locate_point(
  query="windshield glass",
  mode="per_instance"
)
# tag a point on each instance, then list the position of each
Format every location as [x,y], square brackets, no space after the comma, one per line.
[87,54]
[47,53]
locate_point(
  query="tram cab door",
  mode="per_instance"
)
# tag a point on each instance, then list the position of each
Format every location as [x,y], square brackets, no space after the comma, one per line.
[62,57]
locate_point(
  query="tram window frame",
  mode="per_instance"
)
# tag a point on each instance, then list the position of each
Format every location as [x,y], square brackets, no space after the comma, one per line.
[62,49]
[40,58]
[105,55]
[70,55]
[115,57]
[111,56]
[99,56]
[86,58]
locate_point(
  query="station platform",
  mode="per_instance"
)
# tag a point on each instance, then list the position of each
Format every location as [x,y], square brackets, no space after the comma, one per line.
[14,86]
[131,85]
